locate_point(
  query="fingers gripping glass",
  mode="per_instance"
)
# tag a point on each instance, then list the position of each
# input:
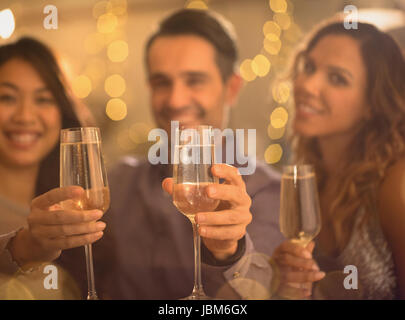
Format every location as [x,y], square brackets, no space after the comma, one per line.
[194,156]
[81,164]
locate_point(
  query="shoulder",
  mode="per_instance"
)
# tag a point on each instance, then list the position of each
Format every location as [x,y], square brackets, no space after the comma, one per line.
[391,198]
[264,177]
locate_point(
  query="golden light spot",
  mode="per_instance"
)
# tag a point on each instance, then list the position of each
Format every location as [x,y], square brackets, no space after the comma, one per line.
[270,27]
[94,43]
[246,70]
[273,153]
[107,23]
[283,20]
[281,92]
[117,51]
[278,5]
[101,8]
[81,86]
[138,132]
[272,44]
[116,109]
[119,7]
[115,85]
[260,65]
[279,117]
[275,133]
[197,4]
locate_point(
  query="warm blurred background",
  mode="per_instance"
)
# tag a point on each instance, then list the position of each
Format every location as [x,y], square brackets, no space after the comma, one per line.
[101,46]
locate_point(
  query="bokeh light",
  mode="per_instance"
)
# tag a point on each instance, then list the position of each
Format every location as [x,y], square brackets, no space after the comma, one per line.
[116,109]
[7,23]
[279,117]
[246,70]
[273,153]
[260,65]
[272,44]
[117,51]
[107,23]
[101,8]
[271,27]
[115,85]
[275,133]
[81,86]
[197,4]
[278,5]
[281,92]
[283,20]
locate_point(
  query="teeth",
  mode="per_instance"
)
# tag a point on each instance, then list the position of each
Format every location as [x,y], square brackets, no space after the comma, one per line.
[23,138]
[308,109]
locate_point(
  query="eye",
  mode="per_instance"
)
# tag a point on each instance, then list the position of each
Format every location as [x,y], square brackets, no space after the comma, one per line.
[337,79]
[7,98]
[160,83]
[45,100]
[194,81]
[308,66]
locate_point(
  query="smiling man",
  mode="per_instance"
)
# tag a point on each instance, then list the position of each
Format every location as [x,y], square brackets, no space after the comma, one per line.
[190,62]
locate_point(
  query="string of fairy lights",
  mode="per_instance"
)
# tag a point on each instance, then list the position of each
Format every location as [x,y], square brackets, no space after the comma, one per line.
[280,34]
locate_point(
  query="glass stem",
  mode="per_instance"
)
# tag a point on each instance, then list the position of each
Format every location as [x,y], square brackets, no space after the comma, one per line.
[91,287]
[198,288]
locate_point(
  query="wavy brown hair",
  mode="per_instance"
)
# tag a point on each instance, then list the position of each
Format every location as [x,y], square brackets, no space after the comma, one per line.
[379,140]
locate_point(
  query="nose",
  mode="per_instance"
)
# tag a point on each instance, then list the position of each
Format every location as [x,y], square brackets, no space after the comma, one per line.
[311,84]
[25,112]
[179,96]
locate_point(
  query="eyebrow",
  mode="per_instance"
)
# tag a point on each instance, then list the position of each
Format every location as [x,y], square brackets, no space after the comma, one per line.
[15,88]
[343,70]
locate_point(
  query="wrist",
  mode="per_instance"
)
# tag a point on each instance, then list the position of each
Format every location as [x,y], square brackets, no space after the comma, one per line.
[208,256]
[25,250]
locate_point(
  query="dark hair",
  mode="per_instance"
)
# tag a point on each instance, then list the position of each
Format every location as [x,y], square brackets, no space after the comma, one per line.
[41,58]
[207,25]
[380,139]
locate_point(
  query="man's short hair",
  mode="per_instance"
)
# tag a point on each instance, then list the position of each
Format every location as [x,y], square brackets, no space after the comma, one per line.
[207,25]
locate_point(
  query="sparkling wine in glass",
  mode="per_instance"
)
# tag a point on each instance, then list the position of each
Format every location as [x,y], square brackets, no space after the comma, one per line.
[194,155]
[81,164]
[300,219]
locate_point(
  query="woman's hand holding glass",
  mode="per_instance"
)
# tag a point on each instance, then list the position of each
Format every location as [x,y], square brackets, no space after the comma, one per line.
[52,229]
[296,270]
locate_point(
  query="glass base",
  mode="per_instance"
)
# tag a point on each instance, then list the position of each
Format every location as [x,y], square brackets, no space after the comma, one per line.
[92,296]
[198,295]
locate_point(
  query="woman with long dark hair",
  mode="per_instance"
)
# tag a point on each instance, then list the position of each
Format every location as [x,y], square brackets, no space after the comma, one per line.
[35,105]
[349,92]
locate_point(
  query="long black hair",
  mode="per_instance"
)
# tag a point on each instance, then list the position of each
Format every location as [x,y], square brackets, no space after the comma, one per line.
[41,58]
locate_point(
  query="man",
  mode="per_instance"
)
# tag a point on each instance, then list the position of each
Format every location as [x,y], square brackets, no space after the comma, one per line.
[190,62]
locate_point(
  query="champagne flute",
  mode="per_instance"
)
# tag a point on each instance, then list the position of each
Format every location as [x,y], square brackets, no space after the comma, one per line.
[194,155]
[81,164]
[300,219]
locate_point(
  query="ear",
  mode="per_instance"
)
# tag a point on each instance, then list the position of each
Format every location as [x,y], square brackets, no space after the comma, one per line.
[233,87]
